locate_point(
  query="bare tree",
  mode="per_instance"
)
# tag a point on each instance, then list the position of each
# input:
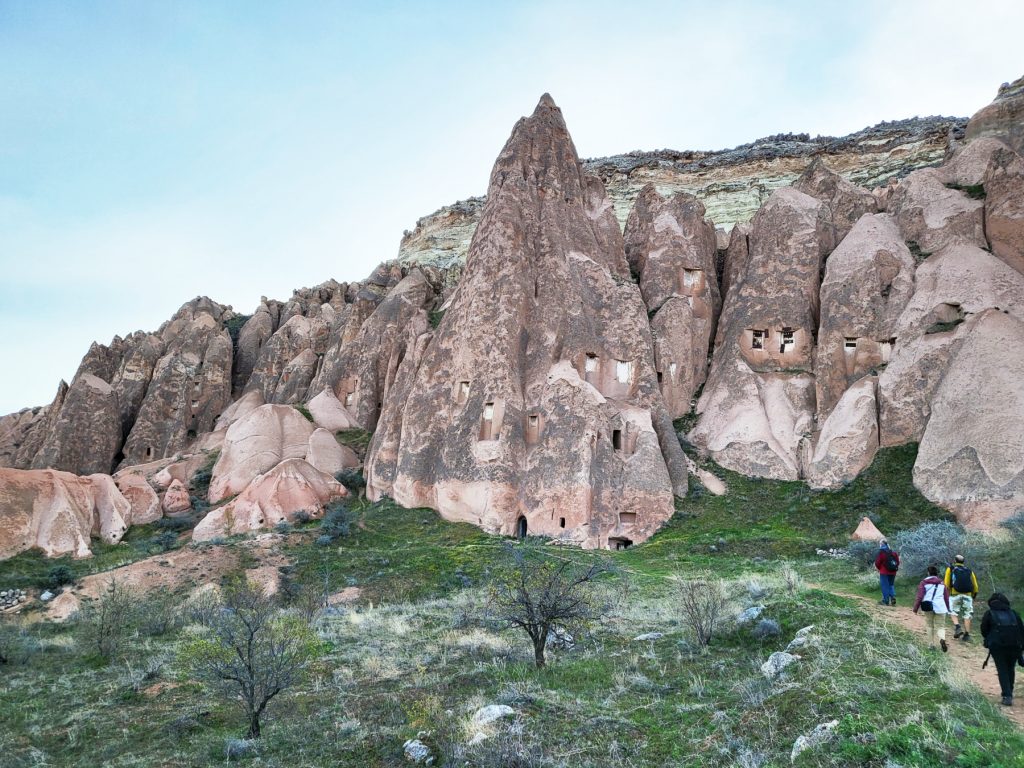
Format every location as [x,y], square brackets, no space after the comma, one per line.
[703,603]
[540,592]
[251,649]
[107,619]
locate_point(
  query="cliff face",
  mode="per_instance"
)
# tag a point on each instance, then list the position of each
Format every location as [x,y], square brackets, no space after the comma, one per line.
[531,387]
[732,184]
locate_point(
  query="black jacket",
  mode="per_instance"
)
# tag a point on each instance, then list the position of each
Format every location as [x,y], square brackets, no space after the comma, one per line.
[998,605]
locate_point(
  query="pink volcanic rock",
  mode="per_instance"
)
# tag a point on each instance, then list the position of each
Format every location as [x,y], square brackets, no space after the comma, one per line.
[145,504]
[848,440]
[278,495]
[967,166]
[58,512]
[176,498]
[971,457]
[1004,207]
[329,413]
[1003,118]
[671,246]
[950,287]
[932,216]
[255,444]
[757,407]
[866,531]
[327,455]
[868,281]
[845,201]
[534,406]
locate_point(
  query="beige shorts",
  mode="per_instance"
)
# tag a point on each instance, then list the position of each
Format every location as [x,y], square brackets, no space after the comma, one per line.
[962,605]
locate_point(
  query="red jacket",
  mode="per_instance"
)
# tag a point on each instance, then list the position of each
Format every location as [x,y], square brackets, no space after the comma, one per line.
[880,561]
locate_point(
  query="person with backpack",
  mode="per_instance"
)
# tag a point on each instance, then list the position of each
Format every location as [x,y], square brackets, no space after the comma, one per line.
[963,585]
[887,563]
[1003,634]
[933,599]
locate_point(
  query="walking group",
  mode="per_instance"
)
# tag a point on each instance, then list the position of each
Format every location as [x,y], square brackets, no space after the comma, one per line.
[953,594]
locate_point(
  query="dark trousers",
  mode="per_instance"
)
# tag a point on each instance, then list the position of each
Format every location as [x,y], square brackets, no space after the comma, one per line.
[1006,667]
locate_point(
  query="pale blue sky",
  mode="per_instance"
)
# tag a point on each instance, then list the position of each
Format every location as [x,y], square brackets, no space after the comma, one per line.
[152,152]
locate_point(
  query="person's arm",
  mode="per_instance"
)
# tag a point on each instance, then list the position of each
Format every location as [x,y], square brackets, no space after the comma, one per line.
[920,596]
[974,584]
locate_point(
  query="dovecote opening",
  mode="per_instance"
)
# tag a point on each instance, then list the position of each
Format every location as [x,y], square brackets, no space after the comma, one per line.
[623,371]
[788,340]
[487,431]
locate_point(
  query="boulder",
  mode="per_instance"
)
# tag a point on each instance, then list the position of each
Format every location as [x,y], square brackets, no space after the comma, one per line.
[866,531]
[255,444]
[868,281]
[931,216]
[329,413]
[1003,118]
[292,486]
[145,504]
[845,201]
[848,440]
[1004,207]
[58,512]
[534,406]
[176,498]
[971,456]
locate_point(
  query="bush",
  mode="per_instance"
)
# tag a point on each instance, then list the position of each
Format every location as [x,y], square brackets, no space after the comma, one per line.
[336,523]
[60,575]
[703,604]
[936,543]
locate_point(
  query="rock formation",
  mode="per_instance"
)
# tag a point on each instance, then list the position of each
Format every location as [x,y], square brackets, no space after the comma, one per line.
[532,408]
[672,249]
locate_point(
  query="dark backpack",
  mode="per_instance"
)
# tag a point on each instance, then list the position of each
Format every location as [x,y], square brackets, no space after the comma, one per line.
[962,581]
[1004,632]
[891,562]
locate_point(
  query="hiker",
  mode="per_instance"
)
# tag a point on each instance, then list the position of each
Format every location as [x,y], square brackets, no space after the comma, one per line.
[963,585]
[887,563]
[933,599]
[1003,634]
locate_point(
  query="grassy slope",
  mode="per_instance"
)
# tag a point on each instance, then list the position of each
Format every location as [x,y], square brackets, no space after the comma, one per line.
[414,658]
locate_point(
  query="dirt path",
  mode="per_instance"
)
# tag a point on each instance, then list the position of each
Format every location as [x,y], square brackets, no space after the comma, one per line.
[967,657]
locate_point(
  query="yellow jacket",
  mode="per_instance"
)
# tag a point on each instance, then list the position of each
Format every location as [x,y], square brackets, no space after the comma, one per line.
[949,582]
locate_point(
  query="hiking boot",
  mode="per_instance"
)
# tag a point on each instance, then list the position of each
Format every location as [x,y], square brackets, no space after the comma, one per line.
[1007,701]
[957,631]
[945,648]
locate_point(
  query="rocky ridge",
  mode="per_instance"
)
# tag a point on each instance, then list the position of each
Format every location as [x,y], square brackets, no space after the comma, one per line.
[532,386]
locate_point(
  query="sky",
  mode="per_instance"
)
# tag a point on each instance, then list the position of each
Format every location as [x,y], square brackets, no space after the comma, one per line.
[151,152]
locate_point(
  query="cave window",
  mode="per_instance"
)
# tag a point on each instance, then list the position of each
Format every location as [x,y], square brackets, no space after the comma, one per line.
[591,364]
[788,340]
[850,343]
[561,522]
[617,439]
[623,371]
[758,338]
[487,422]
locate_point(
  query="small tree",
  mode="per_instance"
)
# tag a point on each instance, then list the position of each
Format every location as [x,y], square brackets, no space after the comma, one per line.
[108,619]
[703,603]
[251,650]
[540,592]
